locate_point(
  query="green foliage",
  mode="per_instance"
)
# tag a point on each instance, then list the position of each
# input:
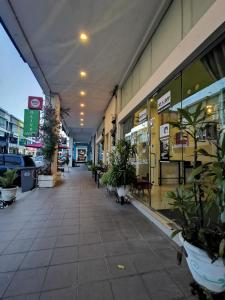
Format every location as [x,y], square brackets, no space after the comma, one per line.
[122,171]
[50,134]
[202,201]
[8,178]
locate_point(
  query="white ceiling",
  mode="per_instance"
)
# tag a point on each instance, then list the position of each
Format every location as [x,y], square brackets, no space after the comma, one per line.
[47,34]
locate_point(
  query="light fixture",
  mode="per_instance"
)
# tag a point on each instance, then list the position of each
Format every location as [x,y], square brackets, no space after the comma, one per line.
[81,124]
[81,113]
[83,37]
[83,74]
[82,93]
[81,120]
[209,109]
[82,105]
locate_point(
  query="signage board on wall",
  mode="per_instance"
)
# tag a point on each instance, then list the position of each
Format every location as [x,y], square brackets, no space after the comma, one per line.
[35,102]
[164,130]
[31,122]
[164,102]
[142,116]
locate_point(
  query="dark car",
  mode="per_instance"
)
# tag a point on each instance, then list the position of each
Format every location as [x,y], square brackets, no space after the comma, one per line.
[15,161]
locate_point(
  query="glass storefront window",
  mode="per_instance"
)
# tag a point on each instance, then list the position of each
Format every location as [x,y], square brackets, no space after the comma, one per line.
[164,154]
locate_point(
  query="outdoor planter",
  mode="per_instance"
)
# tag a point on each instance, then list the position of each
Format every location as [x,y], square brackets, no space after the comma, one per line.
[110,188]
[8,194]
[205,273]
[46,181]
[122,191]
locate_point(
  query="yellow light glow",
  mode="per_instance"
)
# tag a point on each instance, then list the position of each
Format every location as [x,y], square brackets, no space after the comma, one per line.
[81,113]
[83,74]
[82,93]
[82,105]
[83,37]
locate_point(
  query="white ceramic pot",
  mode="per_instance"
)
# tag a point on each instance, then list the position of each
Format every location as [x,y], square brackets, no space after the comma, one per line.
[46,181]
[207,274]
[8,194]
[122,191]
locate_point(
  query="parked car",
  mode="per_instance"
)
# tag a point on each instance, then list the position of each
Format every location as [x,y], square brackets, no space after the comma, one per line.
[39,161]
[15,161]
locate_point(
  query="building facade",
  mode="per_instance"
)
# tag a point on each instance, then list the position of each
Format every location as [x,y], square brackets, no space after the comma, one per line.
[181,66]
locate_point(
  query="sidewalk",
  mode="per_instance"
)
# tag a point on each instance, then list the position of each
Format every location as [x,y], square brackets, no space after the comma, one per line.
[76,242]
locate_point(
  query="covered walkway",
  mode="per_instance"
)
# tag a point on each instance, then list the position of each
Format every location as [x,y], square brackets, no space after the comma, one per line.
[76,242]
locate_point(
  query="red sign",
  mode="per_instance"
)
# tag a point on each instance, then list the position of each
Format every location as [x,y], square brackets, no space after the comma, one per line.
[35,102]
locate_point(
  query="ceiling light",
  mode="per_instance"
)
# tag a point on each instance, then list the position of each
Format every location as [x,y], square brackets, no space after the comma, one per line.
[81,124]
[82,105]
[83,37]
[81,113]
[81,120]
[82,93]
[83,74]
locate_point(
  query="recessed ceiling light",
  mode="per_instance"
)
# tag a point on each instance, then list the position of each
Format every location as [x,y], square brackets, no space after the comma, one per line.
[83,37]
[81,113]
[82,93]
[81,120]
[81,124]
[83,74]
[82,105]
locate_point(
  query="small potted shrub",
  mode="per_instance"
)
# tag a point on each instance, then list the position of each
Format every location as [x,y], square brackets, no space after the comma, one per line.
[201,203]
[8,187]
[123,173]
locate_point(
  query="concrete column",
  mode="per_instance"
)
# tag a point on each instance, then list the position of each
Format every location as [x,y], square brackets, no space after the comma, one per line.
[56,104]
[70,151]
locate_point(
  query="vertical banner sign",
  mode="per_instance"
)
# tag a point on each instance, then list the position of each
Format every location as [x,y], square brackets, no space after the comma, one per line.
[31,122]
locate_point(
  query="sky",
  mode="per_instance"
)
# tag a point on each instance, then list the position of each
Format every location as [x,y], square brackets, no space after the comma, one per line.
[17,82]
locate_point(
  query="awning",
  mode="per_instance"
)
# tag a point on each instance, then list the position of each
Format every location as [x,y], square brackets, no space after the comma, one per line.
[35,145]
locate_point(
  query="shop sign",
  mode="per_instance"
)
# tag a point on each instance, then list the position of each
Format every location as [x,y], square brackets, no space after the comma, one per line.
[31,122]
[35,102]
[142,116]
[164,148]
[164,130]
[164,102]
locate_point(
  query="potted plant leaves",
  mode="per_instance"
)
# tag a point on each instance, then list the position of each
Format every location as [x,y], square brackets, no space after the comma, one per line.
[201,203]
[8,187]
[123,173]
[50,135]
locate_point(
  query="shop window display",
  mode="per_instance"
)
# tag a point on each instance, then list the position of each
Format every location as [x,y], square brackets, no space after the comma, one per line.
[165,153]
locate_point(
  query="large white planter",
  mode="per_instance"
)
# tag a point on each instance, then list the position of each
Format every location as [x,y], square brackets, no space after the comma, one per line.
[122,191]
[8,194]
[46,181]
[207,274]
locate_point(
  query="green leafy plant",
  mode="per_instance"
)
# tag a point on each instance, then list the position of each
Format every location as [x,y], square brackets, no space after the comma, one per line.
[202,201]
[122,171]
[50,135]
[8,179]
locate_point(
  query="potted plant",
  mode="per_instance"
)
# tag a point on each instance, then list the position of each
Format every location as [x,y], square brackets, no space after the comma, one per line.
[202,205]
[8,188]
[123,173]
[50,135]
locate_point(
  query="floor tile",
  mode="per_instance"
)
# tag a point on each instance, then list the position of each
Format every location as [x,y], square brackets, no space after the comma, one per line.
[92,270]
[60,276]
[27,281]
[10,262]
[61,294]
[91,251]
[44,243]
[64,255]
[131,288]
[95,291]
[36,259]
[17,246]
[5,279]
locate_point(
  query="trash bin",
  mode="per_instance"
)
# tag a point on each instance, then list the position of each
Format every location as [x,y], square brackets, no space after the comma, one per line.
[28,178]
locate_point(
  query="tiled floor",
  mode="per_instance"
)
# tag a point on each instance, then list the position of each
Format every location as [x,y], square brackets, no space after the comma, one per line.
[76,242]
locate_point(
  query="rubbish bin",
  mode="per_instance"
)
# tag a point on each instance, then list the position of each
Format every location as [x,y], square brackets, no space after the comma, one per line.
[28,178]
